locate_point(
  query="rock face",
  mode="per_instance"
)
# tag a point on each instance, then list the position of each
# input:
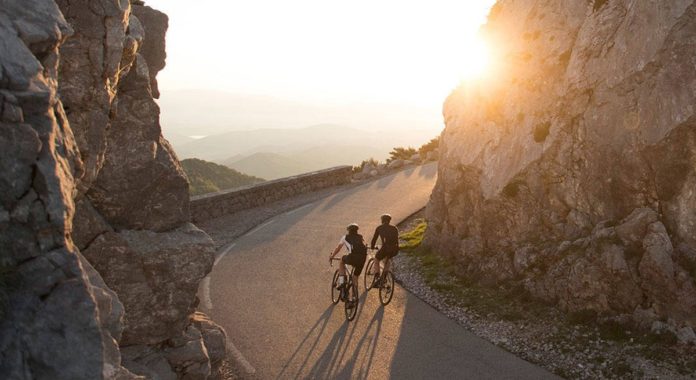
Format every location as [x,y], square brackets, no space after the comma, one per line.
[85,170]
[571,172]
[51,298]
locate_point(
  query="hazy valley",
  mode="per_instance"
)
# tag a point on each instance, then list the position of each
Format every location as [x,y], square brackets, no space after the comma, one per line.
[275,153]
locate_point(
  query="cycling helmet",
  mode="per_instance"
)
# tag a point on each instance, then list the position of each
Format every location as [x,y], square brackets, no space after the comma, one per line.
[386,218]
[353,227]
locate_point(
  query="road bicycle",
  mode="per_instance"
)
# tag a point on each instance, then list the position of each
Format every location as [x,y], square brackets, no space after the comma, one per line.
[348,293]
[385,281]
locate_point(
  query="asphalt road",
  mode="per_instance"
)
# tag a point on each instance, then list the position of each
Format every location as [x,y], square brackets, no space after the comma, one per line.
[271,291]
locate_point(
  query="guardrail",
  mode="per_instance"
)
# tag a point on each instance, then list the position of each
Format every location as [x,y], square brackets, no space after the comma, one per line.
[214,205]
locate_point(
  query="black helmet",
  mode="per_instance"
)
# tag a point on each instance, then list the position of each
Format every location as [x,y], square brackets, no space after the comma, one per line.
[353,227]
[386,218]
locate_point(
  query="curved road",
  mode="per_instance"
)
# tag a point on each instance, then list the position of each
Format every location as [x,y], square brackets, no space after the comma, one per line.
[270,291]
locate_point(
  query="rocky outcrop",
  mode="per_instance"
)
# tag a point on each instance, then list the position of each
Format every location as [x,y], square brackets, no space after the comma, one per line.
[570,171]
[52,299]
[85,170]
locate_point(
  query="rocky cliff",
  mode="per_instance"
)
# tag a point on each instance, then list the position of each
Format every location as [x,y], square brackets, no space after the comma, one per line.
[98,251]
[571,170]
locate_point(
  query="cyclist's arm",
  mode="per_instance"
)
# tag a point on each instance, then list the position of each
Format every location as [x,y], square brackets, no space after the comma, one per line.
[337,249]
[374,238]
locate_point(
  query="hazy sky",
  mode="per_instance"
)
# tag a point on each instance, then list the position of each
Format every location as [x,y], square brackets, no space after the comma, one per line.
[412,52]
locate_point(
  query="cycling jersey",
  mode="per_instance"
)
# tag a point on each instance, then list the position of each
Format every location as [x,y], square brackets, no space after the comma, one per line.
[389,235]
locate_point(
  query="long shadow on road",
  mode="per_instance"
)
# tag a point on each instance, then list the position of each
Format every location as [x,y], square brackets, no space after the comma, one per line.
[331,363]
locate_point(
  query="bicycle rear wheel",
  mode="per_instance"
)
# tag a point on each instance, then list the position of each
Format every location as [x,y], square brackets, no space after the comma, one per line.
[335,293]
[386,291]
[351,304]
[368,279]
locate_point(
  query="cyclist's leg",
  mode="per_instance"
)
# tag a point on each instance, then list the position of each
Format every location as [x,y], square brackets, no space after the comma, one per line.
[358,263]
[379,257]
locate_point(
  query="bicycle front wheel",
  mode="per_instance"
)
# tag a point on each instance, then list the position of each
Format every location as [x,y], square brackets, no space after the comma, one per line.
[386,291]
[368,277]
[351,304]
[335,293]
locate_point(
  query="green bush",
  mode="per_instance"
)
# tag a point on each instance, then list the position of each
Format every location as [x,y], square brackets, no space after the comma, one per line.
[413,239]
[430,146]
[371,162]
[401,153]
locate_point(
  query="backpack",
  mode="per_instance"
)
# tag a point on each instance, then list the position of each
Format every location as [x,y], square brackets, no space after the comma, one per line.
[356,241]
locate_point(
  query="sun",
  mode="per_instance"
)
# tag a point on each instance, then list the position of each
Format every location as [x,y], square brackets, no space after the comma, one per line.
[476,60]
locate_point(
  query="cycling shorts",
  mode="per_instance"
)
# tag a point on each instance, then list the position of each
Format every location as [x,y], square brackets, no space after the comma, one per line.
[387,252]
[357,261]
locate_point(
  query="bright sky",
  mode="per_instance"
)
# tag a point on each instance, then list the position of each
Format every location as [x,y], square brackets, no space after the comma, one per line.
[404,51]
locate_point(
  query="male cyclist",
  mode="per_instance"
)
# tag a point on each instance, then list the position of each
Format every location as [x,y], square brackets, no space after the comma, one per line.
[390,244]
[357,252]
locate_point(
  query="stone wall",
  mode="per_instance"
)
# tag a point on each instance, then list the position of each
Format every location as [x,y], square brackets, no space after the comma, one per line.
[210,206]
[570,170]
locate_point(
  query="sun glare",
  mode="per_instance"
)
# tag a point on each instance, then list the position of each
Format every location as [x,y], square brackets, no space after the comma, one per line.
[360,51]
[477,60]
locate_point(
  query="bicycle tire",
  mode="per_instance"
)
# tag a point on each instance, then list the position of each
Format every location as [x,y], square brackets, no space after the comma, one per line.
[335,293]
[351,304]
[368,279]
[386,291]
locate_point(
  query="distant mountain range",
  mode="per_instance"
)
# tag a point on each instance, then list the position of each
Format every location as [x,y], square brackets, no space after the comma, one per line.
[206,112]
[275,153]
[277,165]
[207,177]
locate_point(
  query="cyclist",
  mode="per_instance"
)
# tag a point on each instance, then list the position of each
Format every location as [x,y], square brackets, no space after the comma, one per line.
[357,253]
[390,244]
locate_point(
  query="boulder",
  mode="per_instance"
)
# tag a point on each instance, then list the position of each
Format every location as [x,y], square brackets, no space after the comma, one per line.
[396,164]
[214,338]
[159,293]
[685,335]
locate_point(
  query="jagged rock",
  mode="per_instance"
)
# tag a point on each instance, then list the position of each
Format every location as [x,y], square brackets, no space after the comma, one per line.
[634,227]
[153,49]
[215,340]
[188,355]
[87,223]
[90,72]
[57,318]
[159,292]
[147,361]
[581,126]
[686,335]
[141,185]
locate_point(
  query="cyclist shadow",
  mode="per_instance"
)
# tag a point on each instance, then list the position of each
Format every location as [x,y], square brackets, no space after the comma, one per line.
[333,362]
[318,329]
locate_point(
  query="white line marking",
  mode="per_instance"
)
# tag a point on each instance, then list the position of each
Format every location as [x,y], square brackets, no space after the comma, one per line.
[207,301]
[259,227]
[239,358]
[226,251]
[297,209]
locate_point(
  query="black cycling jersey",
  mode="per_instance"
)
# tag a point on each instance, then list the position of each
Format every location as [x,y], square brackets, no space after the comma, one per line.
[389,235]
